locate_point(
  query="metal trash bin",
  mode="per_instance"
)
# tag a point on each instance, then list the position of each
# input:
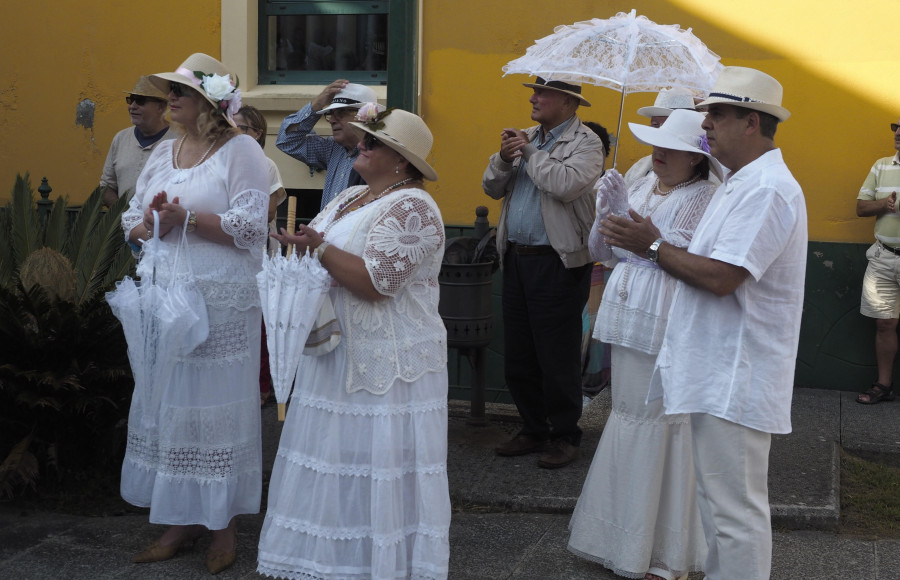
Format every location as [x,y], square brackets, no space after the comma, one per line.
[465,306]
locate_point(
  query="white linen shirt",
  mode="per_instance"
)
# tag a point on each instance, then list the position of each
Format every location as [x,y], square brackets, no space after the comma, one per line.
[734,356]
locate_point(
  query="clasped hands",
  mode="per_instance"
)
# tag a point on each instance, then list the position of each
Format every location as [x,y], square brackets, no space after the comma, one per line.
[171,214]
[305,239]
[511,143]
[633,233]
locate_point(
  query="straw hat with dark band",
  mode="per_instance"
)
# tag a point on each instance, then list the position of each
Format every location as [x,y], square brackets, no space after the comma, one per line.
[144,88]
[748,88]
[561,86]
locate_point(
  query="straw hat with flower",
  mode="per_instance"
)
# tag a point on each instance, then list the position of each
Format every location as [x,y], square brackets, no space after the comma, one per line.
[210,78]
[402,131]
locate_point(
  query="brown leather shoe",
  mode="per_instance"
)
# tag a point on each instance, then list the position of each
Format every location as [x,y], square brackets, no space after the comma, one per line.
[521,444]
[559,454]
[219,560]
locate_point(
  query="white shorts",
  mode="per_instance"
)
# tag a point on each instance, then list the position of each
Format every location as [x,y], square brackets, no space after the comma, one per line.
[881,284]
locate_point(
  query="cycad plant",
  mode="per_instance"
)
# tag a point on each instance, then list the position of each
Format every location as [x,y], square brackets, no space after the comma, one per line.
[65,383]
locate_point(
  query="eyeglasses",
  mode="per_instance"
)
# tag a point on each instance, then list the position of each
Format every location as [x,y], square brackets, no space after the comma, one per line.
[247,128]
[177,89]
[894,127]
[371,142]
[141,100]
[339,114]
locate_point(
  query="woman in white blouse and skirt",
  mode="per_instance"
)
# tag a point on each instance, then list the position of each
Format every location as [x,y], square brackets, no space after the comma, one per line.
[359,488]
[195,459]
[637,514]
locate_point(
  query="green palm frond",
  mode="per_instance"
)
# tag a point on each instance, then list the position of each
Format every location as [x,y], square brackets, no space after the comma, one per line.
[24,225]
[104,252]
[7,254]
[55,230]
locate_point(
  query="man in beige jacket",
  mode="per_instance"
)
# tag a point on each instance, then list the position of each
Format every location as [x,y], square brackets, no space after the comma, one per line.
[545,176]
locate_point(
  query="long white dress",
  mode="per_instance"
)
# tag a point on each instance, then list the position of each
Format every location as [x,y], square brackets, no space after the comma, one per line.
[359,488]
[638,509]
[199,461]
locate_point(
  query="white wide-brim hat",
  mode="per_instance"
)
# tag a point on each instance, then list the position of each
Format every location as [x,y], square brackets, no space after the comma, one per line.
[571,89]
[668,100]
[681,132]
[408,135]
[748,88]
[352,96]
[205,66]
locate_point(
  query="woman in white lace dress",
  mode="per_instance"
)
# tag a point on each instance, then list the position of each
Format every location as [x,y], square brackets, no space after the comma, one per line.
[637,514]
[359,488]
[195,459]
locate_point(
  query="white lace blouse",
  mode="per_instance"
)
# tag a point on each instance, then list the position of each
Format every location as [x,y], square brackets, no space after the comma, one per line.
[636,301]
[233,183]
[401,240]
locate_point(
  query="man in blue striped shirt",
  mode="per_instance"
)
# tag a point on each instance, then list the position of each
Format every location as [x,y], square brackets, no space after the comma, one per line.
[338,103]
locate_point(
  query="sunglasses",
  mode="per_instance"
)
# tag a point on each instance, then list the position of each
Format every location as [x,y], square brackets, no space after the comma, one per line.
[338,114]
[247,128]
[371,142]
[894,127]
[141,100]
[177,89]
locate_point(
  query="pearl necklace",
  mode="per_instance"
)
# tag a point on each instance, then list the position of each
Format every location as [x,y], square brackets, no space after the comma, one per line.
[199,161]
[681,185]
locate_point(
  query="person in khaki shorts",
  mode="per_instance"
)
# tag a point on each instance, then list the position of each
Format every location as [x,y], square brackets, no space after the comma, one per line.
[881,283]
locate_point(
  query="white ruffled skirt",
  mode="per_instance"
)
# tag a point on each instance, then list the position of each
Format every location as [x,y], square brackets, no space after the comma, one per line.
[638,508]
[198,460]
[359,488]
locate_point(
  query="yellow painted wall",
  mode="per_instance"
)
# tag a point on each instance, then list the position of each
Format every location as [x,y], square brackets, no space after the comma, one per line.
[834,58]
[56,53]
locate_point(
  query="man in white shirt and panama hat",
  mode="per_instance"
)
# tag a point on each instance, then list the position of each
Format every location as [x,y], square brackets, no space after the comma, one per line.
[730,348]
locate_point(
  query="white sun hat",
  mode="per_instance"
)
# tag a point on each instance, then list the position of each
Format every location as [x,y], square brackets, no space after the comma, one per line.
[681,132]
[668,100]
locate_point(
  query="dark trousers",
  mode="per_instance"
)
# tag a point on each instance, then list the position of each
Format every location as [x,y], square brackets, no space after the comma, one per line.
[542,324]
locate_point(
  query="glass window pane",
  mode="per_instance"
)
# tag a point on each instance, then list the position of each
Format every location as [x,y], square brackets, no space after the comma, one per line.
[327,42]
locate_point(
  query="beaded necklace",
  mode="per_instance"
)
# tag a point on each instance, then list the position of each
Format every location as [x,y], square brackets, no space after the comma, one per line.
[343,211]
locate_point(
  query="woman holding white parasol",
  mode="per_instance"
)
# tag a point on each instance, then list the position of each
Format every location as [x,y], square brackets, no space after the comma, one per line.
[359,488]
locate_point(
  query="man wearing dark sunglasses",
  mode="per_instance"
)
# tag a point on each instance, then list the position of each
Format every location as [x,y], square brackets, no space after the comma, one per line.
[881,292]
[338,103]
[131,147]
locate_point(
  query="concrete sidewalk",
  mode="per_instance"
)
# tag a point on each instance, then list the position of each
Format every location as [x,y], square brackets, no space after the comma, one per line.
[511,517]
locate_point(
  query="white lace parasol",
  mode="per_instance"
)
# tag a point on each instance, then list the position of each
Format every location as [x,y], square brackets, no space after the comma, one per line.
[627,53]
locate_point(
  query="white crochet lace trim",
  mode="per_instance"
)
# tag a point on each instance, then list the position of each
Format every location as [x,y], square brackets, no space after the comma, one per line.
[356,533]
[365,470]
[273,572]
[190,446]
[227,343]
[368,410]
[205,464]
[401,240]
[242,221]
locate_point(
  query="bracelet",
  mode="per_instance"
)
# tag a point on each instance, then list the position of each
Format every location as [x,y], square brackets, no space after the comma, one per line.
[192,221]
[320,249]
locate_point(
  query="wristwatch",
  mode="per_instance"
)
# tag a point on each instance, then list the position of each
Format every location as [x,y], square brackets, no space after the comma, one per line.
[191,221]
[653,250]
